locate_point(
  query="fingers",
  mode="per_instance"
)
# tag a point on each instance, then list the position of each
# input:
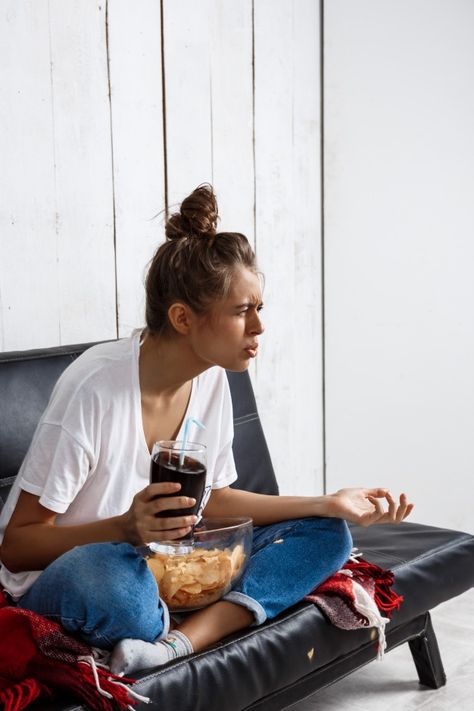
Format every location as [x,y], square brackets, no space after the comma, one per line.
[379,493]
[378,507]
[148,519]
[167,523]
[166,529]
[163,527]
[397,512]
[402,509]
[161,489]
[392,507]
[171,503]
[172,534]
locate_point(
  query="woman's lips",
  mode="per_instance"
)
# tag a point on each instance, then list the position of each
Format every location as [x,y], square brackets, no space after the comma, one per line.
[252,351]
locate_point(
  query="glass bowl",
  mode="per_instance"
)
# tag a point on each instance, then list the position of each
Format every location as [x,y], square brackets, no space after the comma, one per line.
[199,572]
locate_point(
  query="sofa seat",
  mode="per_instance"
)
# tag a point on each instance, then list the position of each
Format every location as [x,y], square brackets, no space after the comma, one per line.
[270,667]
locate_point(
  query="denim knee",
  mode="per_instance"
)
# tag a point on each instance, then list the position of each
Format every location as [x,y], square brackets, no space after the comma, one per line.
[343,539]
[111,574]
[102,591]
[341,543]
[310,550]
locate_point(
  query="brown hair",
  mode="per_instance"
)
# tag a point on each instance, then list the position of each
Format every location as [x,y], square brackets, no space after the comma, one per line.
[196,263]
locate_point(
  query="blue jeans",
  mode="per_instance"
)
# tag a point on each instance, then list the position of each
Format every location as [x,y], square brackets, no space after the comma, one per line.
[288,560]
[105,592]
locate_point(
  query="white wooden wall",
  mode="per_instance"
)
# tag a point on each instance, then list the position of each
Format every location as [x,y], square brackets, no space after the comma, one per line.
[107,112]
[57,234]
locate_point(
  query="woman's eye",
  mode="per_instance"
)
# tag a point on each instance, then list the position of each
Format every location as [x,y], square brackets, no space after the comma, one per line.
[247,310]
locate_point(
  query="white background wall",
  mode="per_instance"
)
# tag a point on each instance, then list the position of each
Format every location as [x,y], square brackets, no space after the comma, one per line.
[399,237]
[109,113]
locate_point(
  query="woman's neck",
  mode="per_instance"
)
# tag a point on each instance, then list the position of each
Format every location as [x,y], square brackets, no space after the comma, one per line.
[166,364]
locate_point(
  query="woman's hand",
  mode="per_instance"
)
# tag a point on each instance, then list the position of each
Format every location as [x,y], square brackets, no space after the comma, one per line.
[366,506]
[141,523]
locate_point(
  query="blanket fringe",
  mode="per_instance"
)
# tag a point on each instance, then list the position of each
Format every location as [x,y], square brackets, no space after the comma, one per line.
[385,598]
[45,660]
[109,685]
[359,595]
[21,695]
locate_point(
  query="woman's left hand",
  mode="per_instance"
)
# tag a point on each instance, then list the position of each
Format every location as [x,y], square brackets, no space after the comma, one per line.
[366,506]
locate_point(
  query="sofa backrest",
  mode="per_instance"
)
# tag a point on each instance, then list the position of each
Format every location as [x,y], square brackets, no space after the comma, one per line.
[28,377]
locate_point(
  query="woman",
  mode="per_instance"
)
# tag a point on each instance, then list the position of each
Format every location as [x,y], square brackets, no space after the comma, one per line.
[81,502]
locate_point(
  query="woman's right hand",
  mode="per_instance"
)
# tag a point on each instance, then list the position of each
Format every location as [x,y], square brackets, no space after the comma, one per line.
[142,525]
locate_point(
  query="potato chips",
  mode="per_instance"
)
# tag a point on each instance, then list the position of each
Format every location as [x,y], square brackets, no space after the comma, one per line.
[195,579]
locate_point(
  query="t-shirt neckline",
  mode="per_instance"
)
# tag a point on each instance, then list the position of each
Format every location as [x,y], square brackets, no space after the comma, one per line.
[136,339]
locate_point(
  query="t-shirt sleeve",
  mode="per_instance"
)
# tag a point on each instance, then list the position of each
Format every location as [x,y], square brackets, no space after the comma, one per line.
[55,467]
[225,465]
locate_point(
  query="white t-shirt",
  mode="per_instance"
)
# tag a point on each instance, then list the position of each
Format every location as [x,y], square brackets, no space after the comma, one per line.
[89,457]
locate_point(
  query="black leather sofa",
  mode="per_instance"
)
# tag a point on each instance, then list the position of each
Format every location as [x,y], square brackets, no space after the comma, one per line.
[269,667]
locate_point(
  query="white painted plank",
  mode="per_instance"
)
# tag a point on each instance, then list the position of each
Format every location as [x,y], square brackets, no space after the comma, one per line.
[29,313]
[399,226]
[83,174]
[232,114]
[188,96]
[137,130]
[57,263]
[287,133]
[208,65]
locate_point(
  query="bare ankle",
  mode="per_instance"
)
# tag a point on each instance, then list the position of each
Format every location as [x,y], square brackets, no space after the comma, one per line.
[215,622]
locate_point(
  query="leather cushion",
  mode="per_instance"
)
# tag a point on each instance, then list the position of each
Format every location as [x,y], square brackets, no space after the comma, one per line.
[431,565]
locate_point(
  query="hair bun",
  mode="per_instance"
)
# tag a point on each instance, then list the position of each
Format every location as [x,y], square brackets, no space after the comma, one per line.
[197,217]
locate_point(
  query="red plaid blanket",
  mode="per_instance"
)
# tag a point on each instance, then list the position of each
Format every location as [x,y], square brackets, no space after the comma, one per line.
[38,658]
[359,595]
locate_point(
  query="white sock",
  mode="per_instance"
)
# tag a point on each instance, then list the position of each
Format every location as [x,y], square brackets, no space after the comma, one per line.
[132,654]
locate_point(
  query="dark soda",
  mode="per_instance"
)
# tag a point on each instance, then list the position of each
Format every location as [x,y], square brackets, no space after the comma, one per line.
[191,475]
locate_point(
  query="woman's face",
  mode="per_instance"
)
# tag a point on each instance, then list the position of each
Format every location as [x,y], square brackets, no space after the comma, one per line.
[228,334]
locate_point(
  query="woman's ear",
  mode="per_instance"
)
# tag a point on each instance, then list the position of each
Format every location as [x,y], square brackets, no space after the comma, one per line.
[180,317]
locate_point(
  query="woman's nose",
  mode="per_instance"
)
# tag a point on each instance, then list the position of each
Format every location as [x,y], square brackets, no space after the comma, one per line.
[257,327]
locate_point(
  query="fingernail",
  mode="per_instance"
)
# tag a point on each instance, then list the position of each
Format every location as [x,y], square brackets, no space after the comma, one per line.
[191,500]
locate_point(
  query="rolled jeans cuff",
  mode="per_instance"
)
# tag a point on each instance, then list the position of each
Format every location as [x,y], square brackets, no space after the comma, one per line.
[166,621]
[245,601]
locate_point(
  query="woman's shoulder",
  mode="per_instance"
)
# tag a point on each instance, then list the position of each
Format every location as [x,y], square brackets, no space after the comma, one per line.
[100,366]
[114,350]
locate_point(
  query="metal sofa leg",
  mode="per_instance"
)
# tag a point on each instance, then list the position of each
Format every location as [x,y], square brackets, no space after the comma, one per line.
[425,652]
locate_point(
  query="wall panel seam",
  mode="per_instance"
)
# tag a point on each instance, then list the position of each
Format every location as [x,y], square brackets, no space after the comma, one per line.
[163,98]
[114,225]
[323,285]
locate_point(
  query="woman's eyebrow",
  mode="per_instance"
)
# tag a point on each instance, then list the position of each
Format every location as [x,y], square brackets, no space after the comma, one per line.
[246,304]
